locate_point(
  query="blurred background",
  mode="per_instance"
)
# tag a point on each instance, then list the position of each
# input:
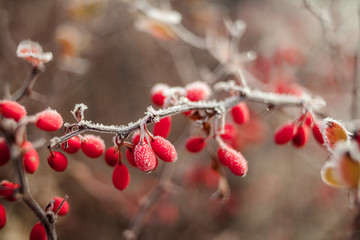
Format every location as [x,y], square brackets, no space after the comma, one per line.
[103,61]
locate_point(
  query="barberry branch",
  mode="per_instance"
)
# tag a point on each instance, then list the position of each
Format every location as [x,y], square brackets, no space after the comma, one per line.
[25,89]
[211,107]
[47,220]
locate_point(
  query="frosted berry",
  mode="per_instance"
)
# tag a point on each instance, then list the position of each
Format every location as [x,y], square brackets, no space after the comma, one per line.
[317,134]
[197,91]
[145,158]
[4,152]
[57,161]
[232,159]
[229,132]
[239,166]
[195,144]
[93,146]
[121,176]
[163,149]
[284,133]
[13,110]
[38,232]
[112,156]
[2,216]
[73,145]
[31,161]
[157,94]
[64,208]
[240,113]
[49,120]
[162,127]
[7,190]
[130,157]
[301,137]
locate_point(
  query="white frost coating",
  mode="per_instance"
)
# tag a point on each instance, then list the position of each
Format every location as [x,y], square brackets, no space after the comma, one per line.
[323,126]
[344,147]
[33,52]
[159,87]
[199,86]
[79,108]
[236,28]
[305,100]
[161,15]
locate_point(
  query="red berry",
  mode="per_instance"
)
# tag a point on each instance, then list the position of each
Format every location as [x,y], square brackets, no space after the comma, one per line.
[93,146]
[317,134]
[240,113]
[7,190]
[195,144]
[136,138]
[57,161]
[229,132]
[4,152]
[112,156]
[284,133]
[232,159]
[197,91]
[157,94]
[145,158]
[49,120]
[64,208]
[2,216]
[239,166]
[121,176]
[164,149]
[31,161]
[26,146]
[130,157]
[301,137]
[162,127]
[11,109]
[38,232]
[73,145]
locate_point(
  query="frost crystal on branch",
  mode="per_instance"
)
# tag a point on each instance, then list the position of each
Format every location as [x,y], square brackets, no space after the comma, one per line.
[33,52]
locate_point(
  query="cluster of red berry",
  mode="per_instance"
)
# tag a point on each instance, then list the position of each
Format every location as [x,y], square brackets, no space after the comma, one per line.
[298,130]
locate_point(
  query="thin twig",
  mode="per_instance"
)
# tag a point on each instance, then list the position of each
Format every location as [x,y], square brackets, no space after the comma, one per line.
[149,200]
[355,111]
[25,89]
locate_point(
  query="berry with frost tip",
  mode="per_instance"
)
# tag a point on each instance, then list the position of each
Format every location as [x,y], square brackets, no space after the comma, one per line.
[64,208]
[31,161]
[73,145]
[49,120]
[145,158]
[240,113]
[7,190]
[162,127]
[197,91]
[157,94]
[229,132]
[57,161]
[2,216]
[284,133]
[301,137]
[13,110]
[121,176]
[4,152]
[112,156]
[195,144]
[93,146]
[38,232]
[163,149]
